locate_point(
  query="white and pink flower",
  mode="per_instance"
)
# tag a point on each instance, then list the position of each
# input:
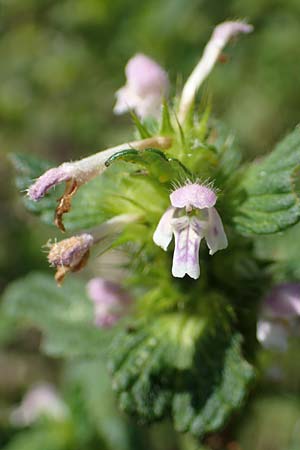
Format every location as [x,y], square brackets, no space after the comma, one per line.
[190,218]
[146,85]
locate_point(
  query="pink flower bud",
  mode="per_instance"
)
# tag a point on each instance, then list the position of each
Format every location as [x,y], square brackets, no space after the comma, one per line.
[146,85]
[111,302]
[220,37]
[227,30]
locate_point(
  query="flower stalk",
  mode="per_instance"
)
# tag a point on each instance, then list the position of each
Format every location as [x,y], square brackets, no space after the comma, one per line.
[220,37]
[77,173]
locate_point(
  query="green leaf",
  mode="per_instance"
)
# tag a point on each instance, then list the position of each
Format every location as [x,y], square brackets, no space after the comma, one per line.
[65,315]
[50,436]
[95,386]
[156,163]
[181,365]
[265,199]
[143,132]
[166,125]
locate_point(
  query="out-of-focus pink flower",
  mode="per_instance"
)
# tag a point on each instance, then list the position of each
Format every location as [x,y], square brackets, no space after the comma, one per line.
[280,309]
[146,85]
[191,218]
[111,302]
[272,335]
[283,301]
[40,400]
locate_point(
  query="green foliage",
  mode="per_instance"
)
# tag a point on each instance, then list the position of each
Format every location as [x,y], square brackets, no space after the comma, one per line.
[157,165]
[63,314]
[49,436]
[183,357]
[91,377]
[184,366]
[265,198]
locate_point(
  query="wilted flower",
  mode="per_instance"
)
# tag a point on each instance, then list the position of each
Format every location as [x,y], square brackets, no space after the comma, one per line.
[146,85]
[40,400]
[221,35]
[111,302]
[280,310]
[70,255]
[80,172]
[191,217]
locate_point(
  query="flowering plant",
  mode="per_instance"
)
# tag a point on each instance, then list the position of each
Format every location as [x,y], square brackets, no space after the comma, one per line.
[178,344]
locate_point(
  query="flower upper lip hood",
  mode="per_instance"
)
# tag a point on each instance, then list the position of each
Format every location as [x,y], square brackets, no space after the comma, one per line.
[193,195]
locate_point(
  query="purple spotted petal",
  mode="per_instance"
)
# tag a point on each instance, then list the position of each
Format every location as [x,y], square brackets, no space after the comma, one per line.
[46,181]
[283,301]
[215,235]
[193,195]
[188,236]
[164,232]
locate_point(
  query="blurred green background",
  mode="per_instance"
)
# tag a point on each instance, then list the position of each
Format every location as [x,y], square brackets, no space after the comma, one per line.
[63,60]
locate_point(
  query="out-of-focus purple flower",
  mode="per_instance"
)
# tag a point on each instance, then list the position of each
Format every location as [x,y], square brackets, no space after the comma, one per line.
[111,302]
[191,218]
[40,400]
[280,309]
[283,301]
[272,335]
[220,37]
[146,85]
[71,254]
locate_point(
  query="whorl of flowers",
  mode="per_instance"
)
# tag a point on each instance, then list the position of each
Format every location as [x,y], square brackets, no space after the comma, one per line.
[192,215]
